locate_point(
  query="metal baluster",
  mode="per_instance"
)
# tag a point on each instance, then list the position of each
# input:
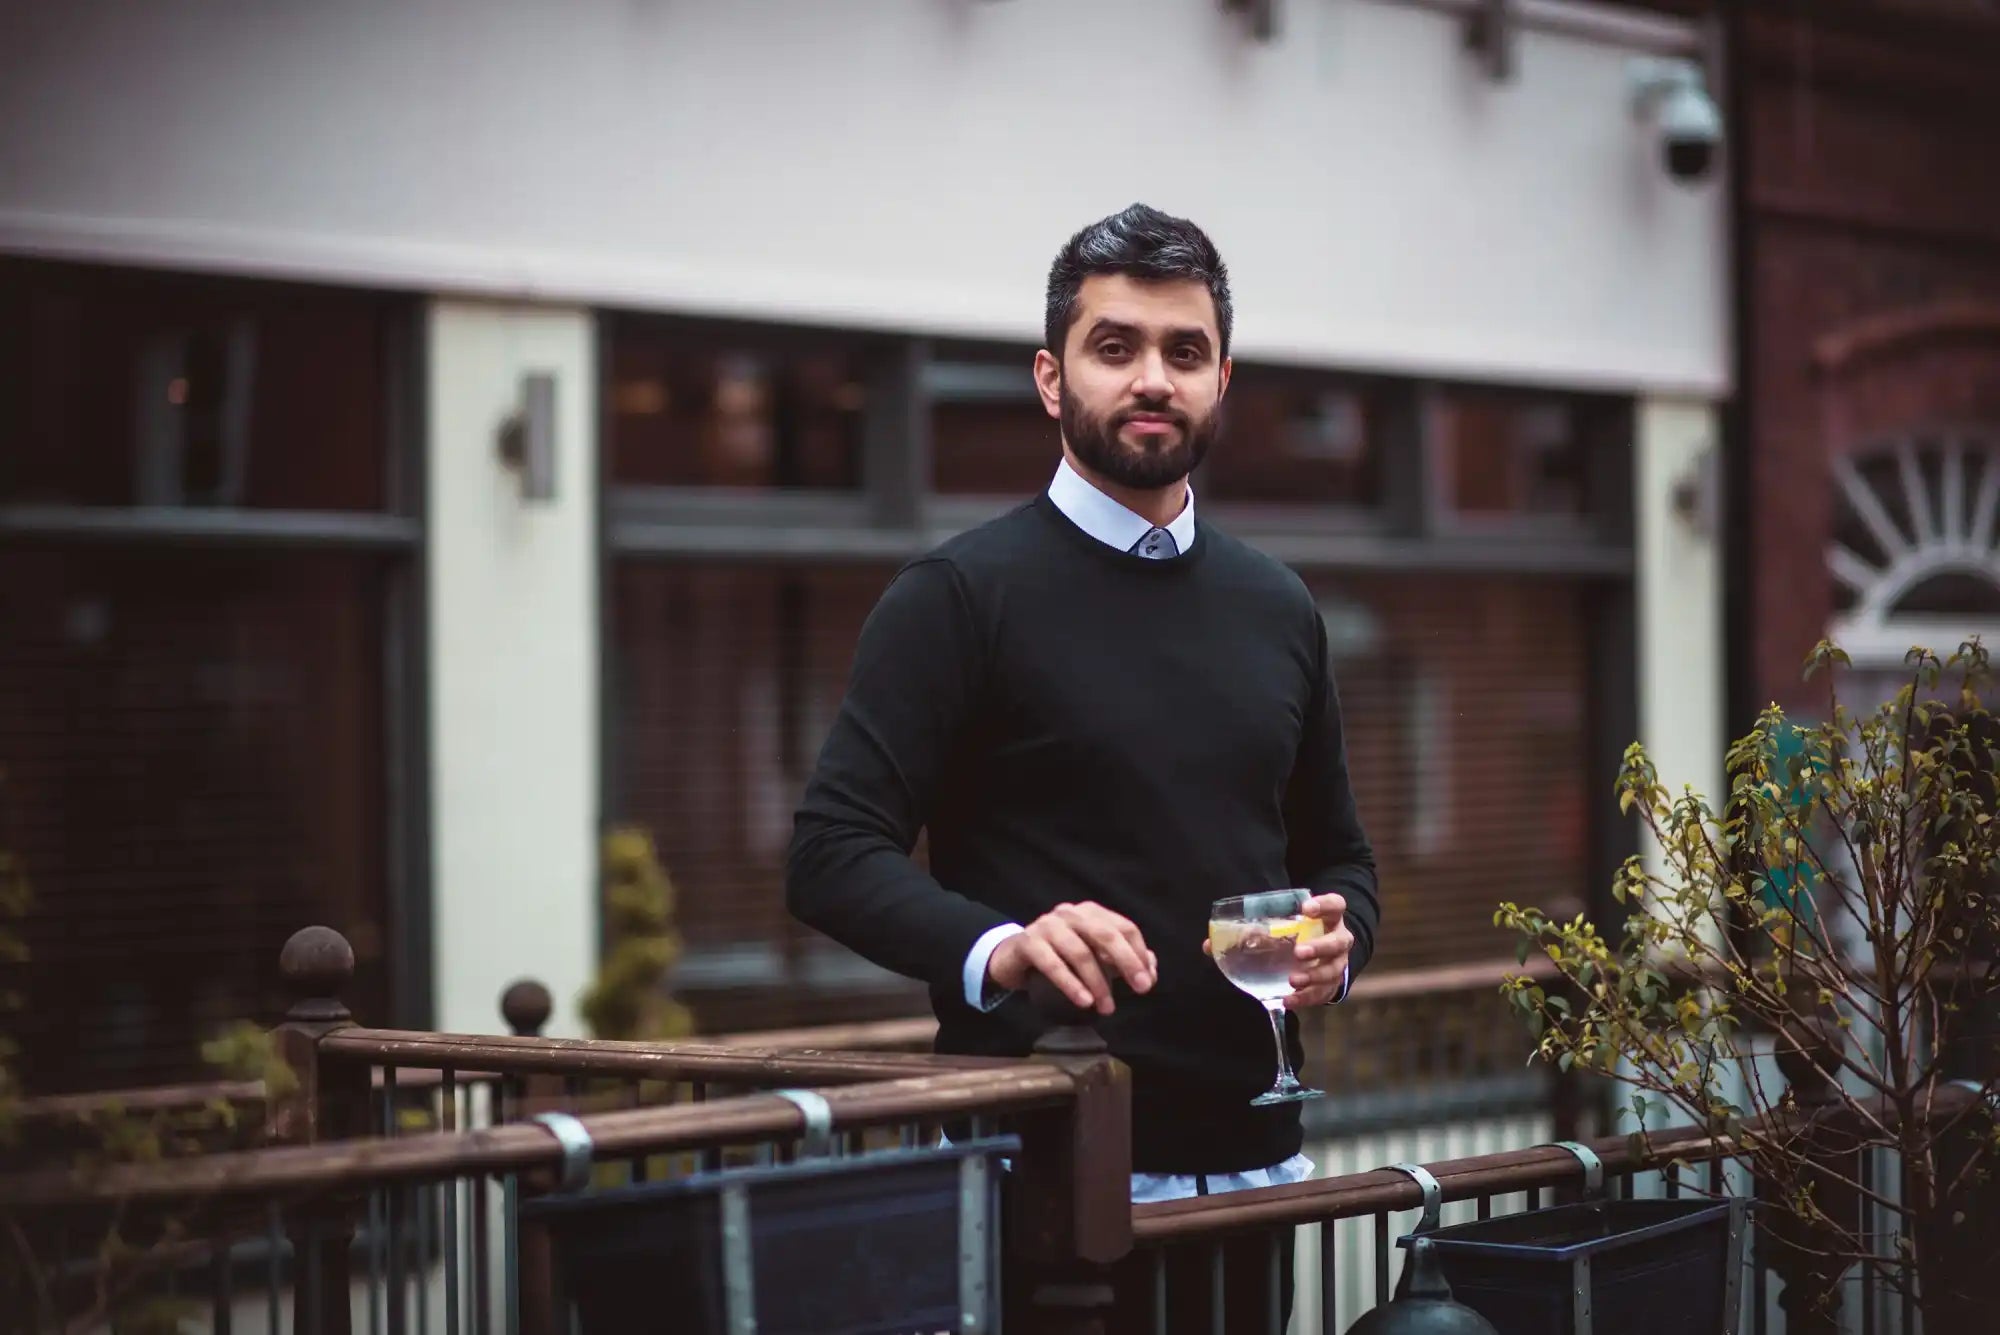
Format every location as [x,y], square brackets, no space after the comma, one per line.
[1381,1257]
[1216,1313]
[1160,1291]
[1534,1198]
[448,1118]
[510,1251]
[1909,1287]
[710,1160]
[424,1194]
[1868,1220]
[1760,1302]
[1671,1175]
[312,1278]
[392,1204]
[1717,1183]
[1486,1206]
[1329,1266]
[222,1307]
[1625,1187]
[274,1242]
[1274,1314]
[377,1263]
[482,1277]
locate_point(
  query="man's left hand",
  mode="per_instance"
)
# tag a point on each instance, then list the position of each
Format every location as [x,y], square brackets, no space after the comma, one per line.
[1322,961]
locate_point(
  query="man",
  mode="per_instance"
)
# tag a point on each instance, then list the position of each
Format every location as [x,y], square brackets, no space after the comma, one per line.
[1108,716]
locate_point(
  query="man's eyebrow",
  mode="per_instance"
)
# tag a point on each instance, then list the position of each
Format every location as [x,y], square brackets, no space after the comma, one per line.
[1182,334]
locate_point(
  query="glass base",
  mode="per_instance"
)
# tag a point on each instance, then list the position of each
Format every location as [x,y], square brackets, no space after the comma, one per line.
[1296,1094]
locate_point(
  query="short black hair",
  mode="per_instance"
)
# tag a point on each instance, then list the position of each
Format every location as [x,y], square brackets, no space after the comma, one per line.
[1139,242]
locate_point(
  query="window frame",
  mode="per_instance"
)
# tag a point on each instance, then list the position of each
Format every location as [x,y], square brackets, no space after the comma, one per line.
[398,531]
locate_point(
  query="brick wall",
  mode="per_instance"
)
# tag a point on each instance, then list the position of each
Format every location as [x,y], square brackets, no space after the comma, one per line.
[1873,263]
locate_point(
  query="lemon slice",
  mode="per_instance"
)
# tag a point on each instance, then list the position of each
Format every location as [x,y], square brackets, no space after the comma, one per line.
[1298,929]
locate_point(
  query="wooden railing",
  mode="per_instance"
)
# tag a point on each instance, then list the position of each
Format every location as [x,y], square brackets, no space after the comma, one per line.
[397,1140]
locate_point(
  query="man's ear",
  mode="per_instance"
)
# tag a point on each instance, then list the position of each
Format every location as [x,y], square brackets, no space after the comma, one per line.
[1048,382]
[1228,365]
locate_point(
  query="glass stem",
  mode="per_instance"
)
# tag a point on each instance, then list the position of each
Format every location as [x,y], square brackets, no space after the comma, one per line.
[1276,1010]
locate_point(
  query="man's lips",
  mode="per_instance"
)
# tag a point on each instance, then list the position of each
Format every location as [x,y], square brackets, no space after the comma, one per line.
[1151,423]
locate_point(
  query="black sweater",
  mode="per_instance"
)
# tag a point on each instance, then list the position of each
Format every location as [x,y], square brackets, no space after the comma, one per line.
[1071,723]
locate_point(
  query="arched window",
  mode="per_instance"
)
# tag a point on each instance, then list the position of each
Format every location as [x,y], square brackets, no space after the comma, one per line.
[1912,554]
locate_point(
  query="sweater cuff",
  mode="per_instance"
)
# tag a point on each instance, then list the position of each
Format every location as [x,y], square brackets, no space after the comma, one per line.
[1346,980]
[978,993]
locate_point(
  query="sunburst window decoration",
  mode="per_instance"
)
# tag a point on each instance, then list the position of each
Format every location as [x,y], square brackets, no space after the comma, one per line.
[1912,555]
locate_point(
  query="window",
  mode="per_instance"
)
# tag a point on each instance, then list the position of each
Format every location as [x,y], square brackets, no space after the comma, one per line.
[1504,452]
[722,407]
[726,678]
[147,390]
[197,715]
[1299,438]
[990,435]
[1464,703]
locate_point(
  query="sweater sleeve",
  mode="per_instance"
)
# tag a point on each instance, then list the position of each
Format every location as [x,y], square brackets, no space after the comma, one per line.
[917,671]
[1327,850]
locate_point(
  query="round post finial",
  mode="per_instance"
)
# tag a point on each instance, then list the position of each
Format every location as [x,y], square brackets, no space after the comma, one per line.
[317,964]
[526,1007]
[1069,1030]
[1423,1305]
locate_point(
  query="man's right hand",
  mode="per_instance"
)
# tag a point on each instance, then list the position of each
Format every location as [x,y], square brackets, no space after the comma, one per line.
[1078,947]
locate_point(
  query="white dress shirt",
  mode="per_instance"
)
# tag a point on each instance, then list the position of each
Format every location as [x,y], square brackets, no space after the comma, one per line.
[1115,526]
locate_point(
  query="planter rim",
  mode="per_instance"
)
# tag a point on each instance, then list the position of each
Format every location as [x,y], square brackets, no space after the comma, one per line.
[1692,1214]
[551,1207]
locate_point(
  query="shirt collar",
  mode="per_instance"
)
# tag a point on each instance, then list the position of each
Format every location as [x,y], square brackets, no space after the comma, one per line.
[1108,521]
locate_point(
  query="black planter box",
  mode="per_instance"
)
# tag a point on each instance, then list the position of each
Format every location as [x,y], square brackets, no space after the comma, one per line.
[896,1243]
[1640,1267]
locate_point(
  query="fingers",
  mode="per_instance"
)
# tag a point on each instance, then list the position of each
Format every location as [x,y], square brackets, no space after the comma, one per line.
[1044,960]
[1076,943]
[1335,943]
[1116,941]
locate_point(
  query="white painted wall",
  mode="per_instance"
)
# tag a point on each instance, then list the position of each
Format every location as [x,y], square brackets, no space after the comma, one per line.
[514,672]
[905,163]
[1679,594]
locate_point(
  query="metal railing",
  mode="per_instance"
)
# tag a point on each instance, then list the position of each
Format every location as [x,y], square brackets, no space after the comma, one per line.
[389,1199]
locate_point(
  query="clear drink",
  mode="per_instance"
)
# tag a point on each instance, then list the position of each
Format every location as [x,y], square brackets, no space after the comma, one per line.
[1254,940]
[1257,956]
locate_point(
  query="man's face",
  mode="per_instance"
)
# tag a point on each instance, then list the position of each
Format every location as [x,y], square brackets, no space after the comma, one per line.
[1141,379]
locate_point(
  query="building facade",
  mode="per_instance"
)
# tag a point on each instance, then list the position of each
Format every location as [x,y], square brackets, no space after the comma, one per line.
[431,438]
[1869,467]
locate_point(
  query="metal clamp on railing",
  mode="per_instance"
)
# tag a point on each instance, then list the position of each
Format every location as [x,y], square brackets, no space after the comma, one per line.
[577,1148]
[1593,1167]
[819,1119]
[1977,1088]
[1433,1194]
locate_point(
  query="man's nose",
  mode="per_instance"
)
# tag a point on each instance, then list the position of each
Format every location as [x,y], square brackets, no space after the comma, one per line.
[1152,381]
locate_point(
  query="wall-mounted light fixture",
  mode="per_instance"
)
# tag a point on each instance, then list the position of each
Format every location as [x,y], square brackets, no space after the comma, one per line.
[527,441]
[1261,14]
[1673,95]
[1489,33]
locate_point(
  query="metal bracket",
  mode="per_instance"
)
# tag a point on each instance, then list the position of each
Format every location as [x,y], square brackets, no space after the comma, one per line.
[1489,32]
[1433,1194]
[1976,1088]
[1593,1167]
[819,1119]
[577,1147]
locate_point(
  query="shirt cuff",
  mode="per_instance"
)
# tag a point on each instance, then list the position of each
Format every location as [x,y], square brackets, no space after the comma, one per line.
[1346,977]
[978,994]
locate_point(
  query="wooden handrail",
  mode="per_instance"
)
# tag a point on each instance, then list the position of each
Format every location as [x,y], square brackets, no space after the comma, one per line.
[513,1054]
[53,1108]
[365,1163]
[1353,1195]
[915,1031]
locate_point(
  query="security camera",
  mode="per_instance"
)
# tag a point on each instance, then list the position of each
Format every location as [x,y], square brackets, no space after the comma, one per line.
[1673,95]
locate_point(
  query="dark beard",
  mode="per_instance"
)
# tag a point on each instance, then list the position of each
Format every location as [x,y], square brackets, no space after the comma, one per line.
[1095,442]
